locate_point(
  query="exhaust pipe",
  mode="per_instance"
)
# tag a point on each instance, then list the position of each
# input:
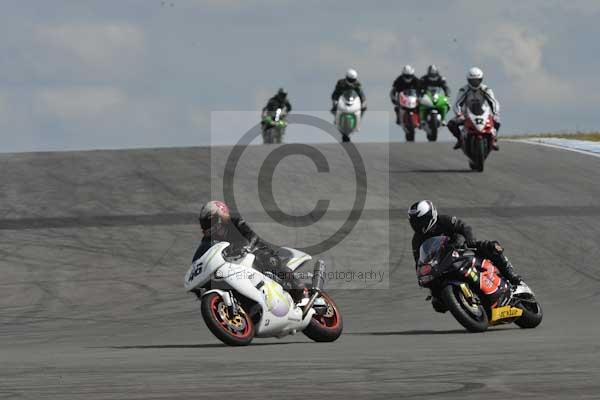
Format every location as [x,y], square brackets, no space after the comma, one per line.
[318,282]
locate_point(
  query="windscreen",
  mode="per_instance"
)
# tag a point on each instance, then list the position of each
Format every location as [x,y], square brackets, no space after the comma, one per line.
[476,107]
[431,249]
[349,94]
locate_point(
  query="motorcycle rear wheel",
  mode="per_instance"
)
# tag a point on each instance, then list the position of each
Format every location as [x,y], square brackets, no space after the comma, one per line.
[473,321]
[237,330]
[327,327]
[532,315]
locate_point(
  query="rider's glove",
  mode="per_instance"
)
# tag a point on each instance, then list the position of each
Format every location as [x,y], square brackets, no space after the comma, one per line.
[515,279]
[472,243]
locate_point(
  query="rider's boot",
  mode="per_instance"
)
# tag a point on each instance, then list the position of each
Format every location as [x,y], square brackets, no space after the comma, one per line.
[507,270]
[438,305]
[458,144]
[495,143]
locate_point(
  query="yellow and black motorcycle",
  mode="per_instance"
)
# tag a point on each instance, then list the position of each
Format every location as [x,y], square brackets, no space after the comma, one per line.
[472,288]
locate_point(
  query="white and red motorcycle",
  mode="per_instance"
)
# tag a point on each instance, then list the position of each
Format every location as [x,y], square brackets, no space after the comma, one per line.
[239,303]
[408,103]
[478,133]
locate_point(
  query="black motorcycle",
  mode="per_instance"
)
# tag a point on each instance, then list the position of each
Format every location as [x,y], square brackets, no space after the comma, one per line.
[473,289]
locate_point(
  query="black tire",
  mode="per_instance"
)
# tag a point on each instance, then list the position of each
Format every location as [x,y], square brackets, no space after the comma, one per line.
[324,328]
[210,305]
[479,154]
[345,138]
[465,318]
[268,136]
[532,315]
[409,133]
[278,136]
[433,131]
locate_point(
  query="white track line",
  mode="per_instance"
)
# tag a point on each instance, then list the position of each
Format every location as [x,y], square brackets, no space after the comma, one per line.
[554,146]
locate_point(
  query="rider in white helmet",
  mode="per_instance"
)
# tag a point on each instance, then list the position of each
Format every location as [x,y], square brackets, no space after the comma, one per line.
[473,90]
[405,81]
[350,82]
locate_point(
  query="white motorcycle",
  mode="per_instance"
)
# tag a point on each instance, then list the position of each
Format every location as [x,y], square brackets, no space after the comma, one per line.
[239,303]
[348,114]
[478,132]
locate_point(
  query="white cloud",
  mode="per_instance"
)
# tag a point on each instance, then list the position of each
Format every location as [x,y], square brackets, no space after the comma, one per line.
[520,54]
[78,102]
[97,44]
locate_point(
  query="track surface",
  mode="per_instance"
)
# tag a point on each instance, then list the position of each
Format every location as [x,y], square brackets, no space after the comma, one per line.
[95,245]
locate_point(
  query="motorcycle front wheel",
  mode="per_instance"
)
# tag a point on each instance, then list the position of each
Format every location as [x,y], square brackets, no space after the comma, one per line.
[433,130]
[472,317]
[233,330]
[268,136]
[409,132]
[477,156]
[326,326]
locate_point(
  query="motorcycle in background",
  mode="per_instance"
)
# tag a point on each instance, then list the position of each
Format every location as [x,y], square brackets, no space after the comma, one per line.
[348,114]
[274,125]
[472,288]
[433,107]
[477,132]
[408,103]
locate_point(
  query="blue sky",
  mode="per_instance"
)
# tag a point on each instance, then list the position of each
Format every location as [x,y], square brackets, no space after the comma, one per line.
[112,74]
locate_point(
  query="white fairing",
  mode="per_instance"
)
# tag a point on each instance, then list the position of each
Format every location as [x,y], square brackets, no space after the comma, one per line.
[522,288]
[479,121]
[280,316]
[426,101]
[204,268]
[293,258]
[351,105]
[408,99]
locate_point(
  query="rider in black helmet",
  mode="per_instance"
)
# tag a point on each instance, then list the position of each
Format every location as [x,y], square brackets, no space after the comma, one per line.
[433,78]
[405,81]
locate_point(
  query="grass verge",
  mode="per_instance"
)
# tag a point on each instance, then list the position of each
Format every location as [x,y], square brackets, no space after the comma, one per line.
[592,136]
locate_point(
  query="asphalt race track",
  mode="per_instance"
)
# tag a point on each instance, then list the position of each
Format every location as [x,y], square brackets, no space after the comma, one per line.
[94,246]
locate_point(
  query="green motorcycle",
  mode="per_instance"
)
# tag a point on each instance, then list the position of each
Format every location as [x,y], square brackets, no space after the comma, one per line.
[274,125]
[433,107]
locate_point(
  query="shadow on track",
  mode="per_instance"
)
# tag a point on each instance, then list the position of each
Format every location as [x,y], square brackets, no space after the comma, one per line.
[422,332]
[192,346]
[432,171]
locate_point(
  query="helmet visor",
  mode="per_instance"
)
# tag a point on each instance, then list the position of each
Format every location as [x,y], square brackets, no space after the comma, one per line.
[474,82]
